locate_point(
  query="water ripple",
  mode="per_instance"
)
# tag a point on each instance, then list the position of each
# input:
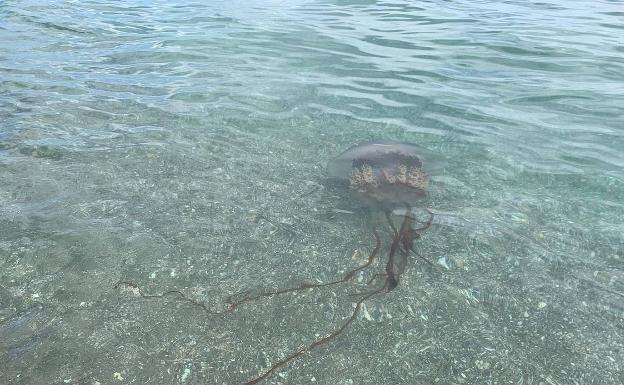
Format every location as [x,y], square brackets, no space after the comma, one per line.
[155,136]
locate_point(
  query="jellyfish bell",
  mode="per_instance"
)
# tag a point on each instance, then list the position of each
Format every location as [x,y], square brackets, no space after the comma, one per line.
[387,173]
[340,167]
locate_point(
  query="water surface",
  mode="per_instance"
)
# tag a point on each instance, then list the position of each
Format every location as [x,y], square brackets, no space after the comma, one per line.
[183,146]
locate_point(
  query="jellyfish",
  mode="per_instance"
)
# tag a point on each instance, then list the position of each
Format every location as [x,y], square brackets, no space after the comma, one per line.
[383,176]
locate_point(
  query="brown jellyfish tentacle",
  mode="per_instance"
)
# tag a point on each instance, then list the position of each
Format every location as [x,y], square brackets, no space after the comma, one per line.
[414,234]
[178,294]
[371,257]
[374,277]
[391,224]
[403,242]
[381,288]
[408,233]
[428,222]
[234,303]
[421,257]
[320,341]
[391,280]
[392,273]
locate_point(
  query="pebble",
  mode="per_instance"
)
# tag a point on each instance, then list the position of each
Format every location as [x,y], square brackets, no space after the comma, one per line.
[365,313]
[442,262]
[185,374]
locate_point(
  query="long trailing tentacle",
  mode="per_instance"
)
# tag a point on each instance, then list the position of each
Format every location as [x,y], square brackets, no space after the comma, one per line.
[371,257]
[421,257]
[321,341]
[174,292]
[304,286]
[381,288]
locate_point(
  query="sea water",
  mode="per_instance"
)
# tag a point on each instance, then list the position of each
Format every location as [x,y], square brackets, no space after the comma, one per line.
[157,157]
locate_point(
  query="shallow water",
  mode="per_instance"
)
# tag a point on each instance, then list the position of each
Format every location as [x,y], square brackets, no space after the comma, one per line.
[183,146]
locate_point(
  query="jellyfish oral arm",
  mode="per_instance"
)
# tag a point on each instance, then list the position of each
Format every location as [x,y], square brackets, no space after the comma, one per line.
[403,242]
[396,266]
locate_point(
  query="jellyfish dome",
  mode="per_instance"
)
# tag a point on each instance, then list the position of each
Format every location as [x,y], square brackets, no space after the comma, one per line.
[386,173]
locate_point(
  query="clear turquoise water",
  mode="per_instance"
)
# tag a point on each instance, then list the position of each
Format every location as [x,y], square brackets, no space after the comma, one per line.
[183,146]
